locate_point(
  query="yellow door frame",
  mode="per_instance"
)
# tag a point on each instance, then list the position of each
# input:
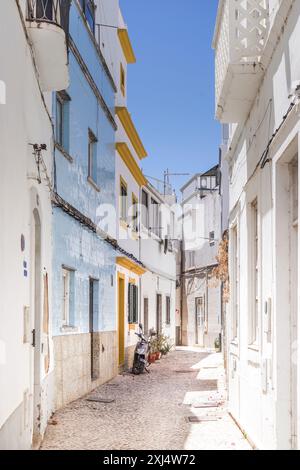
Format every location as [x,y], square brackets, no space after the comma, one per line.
[121,318]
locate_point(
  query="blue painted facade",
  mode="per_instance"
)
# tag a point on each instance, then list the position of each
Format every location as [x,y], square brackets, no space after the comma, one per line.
[74,245]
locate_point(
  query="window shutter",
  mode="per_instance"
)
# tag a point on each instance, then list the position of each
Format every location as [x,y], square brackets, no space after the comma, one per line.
[135,313]
[129,304]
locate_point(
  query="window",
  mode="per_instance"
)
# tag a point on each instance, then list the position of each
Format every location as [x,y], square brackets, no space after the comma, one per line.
[123,200]
[158,314]
[146,316]
[67,296]
[92,157]
[211,238]
[172,227]
[168,310]
[194,221]
[254,276]
[135,218]
[132,303]
[88,8]
[235,282]
[145,209]
[122,79]
[200,311]
[155,217]
[190,259]
[62,119]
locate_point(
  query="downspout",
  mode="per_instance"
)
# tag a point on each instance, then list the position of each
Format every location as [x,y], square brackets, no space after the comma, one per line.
[182,280]
[140,256]
[207,301]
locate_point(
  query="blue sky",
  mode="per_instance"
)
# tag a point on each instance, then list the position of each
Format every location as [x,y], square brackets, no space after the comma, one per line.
[171,87]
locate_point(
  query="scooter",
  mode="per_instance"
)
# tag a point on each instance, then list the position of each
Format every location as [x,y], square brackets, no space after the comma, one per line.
[140,361]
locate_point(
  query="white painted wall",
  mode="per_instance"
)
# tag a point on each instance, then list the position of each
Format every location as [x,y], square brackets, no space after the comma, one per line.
[260,375]
[201,216]
[161,269]
[24,119]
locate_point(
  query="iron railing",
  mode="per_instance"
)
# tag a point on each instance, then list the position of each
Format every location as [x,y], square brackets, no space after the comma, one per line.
[50,11]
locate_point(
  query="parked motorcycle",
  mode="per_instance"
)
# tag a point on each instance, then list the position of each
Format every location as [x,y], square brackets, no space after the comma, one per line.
[140,361]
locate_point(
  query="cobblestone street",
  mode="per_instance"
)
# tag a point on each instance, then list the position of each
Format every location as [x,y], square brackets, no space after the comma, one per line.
[159,410]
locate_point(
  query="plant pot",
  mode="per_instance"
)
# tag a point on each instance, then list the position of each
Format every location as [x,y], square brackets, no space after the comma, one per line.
[157,355]
[151,358]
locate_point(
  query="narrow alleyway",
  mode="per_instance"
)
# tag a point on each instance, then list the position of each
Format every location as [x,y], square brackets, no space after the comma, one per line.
[155,411]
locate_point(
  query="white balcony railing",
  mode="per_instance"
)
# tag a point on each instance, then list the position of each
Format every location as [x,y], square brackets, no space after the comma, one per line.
[240,37]
[48,24]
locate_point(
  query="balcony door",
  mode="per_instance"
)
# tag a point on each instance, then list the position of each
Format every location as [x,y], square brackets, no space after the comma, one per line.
[158,313]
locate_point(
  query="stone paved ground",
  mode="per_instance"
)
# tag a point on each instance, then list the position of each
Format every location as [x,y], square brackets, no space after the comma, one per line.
[153,411]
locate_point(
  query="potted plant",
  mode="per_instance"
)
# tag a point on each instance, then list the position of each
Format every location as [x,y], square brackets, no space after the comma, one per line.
[152,351]
[166,346]
[218,345]
[161,340]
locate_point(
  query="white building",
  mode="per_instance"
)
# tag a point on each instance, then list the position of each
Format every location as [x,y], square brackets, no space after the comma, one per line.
[26,351]
[200,294]
[129,180]
[257,75]
[146,276]
[158,248]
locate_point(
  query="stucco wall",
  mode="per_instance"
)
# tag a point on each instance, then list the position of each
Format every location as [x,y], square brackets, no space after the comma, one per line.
[24,120]
[260,376]
[74,245]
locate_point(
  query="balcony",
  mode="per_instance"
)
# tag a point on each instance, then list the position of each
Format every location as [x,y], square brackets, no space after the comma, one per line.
[47,26]
[240,37]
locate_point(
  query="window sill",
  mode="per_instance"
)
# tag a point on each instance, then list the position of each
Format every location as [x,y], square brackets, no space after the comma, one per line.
[64,152]
[93,184]
[155,237]
[234,348]
[253,356]
[234,343]
[191,268]
[69,329]
[253,347]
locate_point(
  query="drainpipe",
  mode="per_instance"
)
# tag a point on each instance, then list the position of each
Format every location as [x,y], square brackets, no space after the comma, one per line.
[181,290]
[207,301]
[140,255]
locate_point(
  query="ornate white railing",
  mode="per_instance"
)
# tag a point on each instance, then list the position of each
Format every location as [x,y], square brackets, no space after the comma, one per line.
[250,27]
[52,11]
[241,35]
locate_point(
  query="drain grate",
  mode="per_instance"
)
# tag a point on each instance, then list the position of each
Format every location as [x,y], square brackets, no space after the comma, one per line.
[184,371]
[208,385]
[207,405]
[202,419]
[100,400]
